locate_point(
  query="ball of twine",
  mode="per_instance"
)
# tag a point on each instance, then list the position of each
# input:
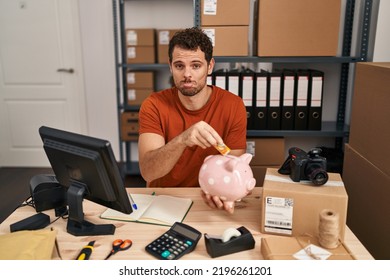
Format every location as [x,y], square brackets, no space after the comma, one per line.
[329,233]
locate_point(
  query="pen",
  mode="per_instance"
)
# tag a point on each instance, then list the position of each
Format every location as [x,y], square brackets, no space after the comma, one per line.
[86,252]
[132,202]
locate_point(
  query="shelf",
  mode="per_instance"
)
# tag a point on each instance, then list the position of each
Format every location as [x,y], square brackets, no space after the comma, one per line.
[130,168]
[329,129]
[145,66]
[281,59]
[251,59]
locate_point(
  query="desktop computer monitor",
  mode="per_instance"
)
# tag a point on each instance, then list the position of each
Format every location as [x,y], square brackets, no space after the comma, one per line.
[87,168]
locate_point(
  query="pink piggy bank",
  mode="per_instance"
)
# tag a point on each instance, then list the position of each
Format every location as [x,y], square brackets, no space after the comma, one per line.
[228,177]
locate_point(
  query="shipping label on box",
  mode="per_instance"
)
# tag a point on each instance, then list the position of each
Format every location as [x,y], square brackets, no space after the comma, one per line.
[293,208]
[278,217]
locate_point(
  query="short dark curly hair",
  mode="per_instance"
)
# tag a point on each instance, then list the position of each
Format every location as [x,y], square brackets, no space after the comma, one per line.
[191,39]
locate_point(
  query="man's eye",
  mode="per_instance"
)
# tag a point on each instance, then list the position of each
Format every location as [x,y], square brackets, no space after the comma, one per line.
[179,66]
[196,66]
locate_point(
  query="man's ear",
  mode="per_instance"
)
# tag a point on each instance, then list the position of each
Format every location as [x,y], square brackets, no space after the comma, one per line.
[211,66]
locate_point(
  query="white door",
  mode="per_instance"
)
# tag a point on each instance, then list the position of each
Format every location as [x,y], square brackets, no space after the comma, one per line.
[40,76]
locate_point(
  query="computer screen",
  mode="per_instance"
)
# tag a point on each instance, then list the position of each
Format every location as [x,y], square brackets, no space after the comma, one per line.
[87,168]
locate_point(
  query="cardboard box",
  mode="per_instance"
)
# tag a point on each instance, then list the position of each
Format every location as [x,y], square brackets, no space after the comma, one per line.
[286,248]
[298,28]
[368,190]
[229,40]
[137,96]
[129,126]
[259,173]
[293,208]
[266,151]
[370,113]
[142,54]
[140,37]
[164,36]
[225,12]
[129,132]
[129,117]
[140,79]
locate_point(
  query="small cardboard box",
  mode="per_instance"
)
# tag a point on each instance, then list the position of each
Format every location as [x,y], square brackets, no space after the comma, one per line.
[266,151]
[298,28]
[143,54]
[229,40]
[225,12]
[129,131]
[370,113]
[140,37]
[140,79]
[137,96]
[292,248]
[164,36]
[293,208]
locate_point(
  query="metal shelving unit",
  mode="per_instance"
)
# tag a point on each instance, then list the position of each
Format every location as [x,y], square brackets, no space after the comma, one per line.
[338,129]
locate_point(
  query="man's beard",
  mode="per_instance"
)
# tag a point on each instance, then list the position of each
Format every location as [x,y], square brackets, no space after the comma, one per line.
[189,91]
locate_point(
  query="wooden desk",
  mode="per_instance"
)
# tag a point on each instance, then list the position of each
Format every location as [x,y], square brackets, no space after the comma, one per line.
[201,217]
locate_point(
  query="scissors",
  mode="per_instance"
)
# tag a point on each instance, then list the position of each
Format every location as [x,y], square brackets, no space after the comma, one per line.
[119,245]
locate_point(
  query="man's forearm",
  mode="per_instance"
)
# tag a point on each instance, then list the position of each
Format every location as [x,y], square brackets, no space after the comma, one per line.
[157,163]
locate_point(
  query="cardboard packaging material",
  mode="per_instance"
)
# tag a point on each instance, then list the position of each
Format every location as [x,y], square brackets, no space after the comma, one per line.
[293,208]
[298,28]
[370,113]
[140,79]
[140,37]
[163,38]
[259,173]
[229,40]
[368,189]
[225,12]
[137,96]
[266,151]
[142,54]
[129,126]
[292,248]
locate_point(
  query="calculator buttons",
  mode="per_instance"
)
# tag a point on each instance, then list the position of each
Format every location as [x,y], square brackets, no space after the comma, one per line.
[173,244]
[169,247]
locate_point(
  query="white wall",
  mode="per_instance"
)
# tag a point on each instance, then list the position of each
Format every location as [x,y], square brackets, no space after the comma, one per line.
[97,39]
[382,39]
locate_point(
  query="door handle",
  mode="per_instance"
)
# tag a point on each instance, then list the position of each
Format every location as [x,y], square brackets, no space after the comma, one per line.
[70,70]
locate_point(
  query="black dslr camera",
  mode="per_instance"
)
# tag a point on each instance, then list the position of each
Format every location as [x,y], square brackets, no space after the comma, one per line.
[305,166]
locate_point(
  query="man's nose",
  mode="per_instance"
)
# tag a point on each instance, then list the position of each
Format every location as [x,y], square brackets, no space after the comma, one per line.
[187,72]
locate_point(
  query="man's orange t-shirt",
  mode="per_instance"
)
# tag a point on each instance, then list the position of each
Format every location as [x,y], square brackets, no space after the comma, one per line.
[162,113]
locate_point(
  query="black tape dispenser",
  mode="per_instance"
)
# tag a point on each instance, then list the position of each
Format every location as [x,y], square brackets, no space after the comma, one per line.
[232,241]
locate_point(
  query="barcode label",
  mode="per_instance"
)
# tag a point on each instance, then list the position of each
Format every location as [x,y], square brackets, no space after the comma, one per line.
[278,216]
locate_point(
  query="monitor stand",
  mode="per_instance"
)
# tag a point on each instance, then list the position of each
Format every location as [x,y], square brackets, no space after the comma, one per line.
[76,223]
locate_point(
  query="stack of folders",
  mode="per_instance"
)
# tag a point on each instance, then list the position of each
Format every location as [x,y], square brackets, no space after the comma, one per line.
[286,99]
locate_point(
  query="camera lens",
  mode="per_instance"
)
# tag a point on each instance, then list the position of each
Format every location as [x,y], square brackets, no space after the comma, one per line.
[318,176]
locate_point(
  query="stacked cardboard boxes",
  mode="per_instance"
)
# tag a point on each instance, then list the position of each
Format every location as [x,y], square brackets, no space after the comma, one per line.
[366,170]
[129,126]
[229,24]
[141,45]
[266,152]
[139,86]
[163,38]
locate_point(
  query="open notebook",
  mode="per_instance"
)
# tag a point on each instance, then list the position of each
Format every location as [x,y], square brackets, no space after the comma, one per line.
[153,209]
